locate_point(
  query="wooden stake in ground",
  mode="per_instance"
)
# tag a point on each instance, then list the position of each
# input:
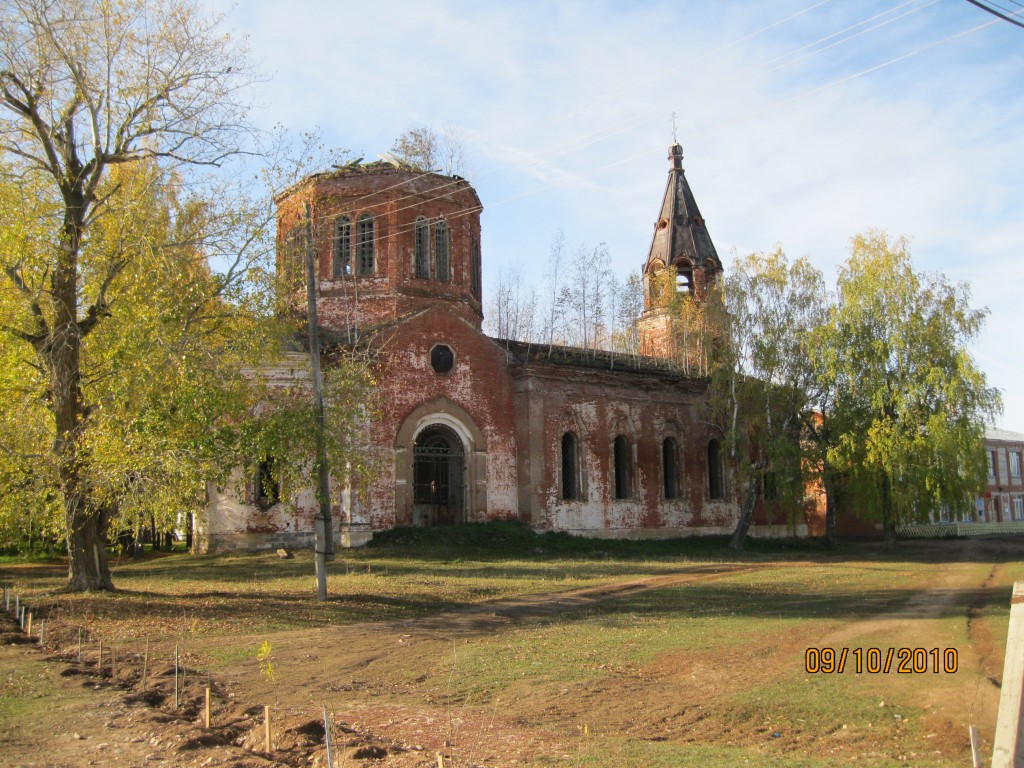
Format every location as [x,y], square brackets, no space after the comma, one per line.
[29,631]
[327,738]
[145,665]
[17,605]
[79,645]
[175,675]
[975,747]
[266,728]
[42,632]
[113,664]
[207,708]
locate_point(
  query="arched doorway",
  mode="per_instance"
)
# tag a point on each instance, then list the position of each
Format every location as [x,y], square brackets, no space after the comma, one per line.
[439,487]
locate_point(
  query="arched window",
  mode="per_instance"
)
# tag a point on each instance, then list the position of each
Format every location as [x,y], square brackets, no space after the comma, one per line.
[474,275]
[342,261]
[684,277]
[715,488]
[570,467]
[622,458]
[670,468]
[268,487]
[364,245]
[422,247]
[442,251]
[710,273]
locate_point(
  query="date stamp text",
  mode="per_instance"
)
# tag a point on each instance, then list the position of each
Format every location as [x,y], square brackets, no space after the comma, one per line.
[903,661]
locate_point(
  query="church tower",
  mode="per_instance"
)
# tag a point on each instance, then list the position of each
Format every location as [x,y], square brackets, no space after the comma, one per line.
[388,240]
[682,260]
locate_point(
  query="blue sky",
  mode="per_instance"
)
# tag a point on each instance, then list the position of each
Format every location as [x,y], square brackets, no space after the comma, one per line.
[803,122]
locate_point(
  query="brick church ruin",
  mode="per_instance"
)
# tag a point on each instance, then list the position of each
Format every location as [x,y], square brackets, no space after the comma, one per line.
[476,428]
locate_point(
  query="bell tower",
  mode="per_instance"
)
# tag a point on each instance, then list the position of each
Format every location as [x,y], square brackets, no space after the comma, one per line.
[682,260]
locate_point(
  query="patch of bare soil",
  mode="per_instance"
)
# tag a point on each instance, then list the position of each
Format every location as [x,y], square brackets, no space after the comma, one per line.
[389,707]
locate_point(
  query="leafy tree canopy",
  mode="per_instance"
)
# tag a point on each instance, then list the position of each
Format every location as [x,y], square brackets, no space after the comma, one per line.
[910,404]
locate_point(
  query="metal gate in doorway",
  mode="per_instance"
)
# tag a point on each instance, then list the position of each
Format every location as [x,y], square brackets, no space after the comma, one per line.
[439,487]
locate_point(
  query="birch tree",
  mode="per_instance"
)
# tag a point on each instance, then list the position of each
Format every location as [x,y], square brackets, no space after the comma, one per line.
[762,377]
[910,402]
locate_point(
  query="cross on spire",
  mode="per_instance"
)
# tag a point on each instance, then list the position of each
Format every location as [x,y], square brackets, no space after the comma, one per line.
[674,140]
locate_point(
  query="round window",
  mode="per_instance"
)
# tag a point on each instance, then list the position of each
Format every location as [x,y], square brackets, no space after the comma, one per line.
[442,359]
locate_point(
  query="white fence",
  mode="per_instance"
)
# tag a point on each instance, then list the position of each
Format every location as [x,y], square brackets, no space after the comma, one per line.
[945,530]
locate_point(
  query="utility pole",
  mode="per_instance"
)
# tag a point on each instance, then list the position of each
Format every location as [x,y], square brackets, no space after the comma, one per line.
[324,539]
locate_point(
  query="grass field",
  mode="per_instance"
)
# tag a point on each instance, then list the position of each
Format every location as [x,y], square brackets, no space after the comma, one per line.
[496,646]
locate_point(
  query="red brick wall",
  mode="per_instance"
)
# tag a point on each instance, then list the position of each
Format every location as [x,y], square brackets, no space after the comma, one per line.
[395,199]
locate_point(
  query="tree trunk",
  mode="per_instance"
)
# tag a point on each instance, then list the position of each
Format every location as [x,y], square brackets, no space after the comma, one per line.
[888,524]
[831,538]
[888,534]
[85,526]
[746,513]
[88,567]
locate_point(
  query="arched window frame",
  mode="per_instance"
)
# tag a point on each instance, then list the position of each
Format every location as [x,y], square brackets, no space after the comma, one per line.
[342,252]
[266,485]
[622,467]
[716,475]
[569,453]
[422,248]
[442,251]
[670,468]
[364,245]
[475,276]
[684,276]
[711,269]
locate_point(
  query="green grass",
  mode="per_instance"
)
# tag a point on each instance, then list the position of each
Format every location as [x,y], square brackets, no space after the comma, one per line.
[728,642]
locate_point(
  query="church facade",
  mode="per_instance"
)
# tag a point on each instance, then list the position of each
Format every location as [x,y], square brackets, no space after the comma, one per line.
[475,428]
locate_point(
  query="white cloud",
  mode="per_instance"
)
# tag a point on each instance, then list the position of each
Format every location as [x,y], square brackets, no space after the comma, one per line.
[566,108]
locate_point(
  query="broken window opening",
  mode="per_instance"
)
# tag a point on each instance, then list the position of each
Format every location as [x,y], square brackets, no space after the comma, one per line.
[684,277]
[623,485]
[670,467]
[475,276]
[268,487]
[422,247]
[442,359]
[570,467]
[715,487]
[442,251]
[342,266]
[364,245]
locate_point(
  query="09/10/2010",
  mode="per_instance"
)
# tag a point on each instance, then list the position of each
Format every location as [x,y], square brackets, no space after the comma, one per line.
[904,661]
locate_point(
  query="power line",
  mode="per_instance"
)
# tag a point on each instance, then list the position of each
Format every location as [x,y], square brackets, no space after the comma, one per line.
[621,126]
[401,230]
[998,13]
[809,92]
[631,86]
